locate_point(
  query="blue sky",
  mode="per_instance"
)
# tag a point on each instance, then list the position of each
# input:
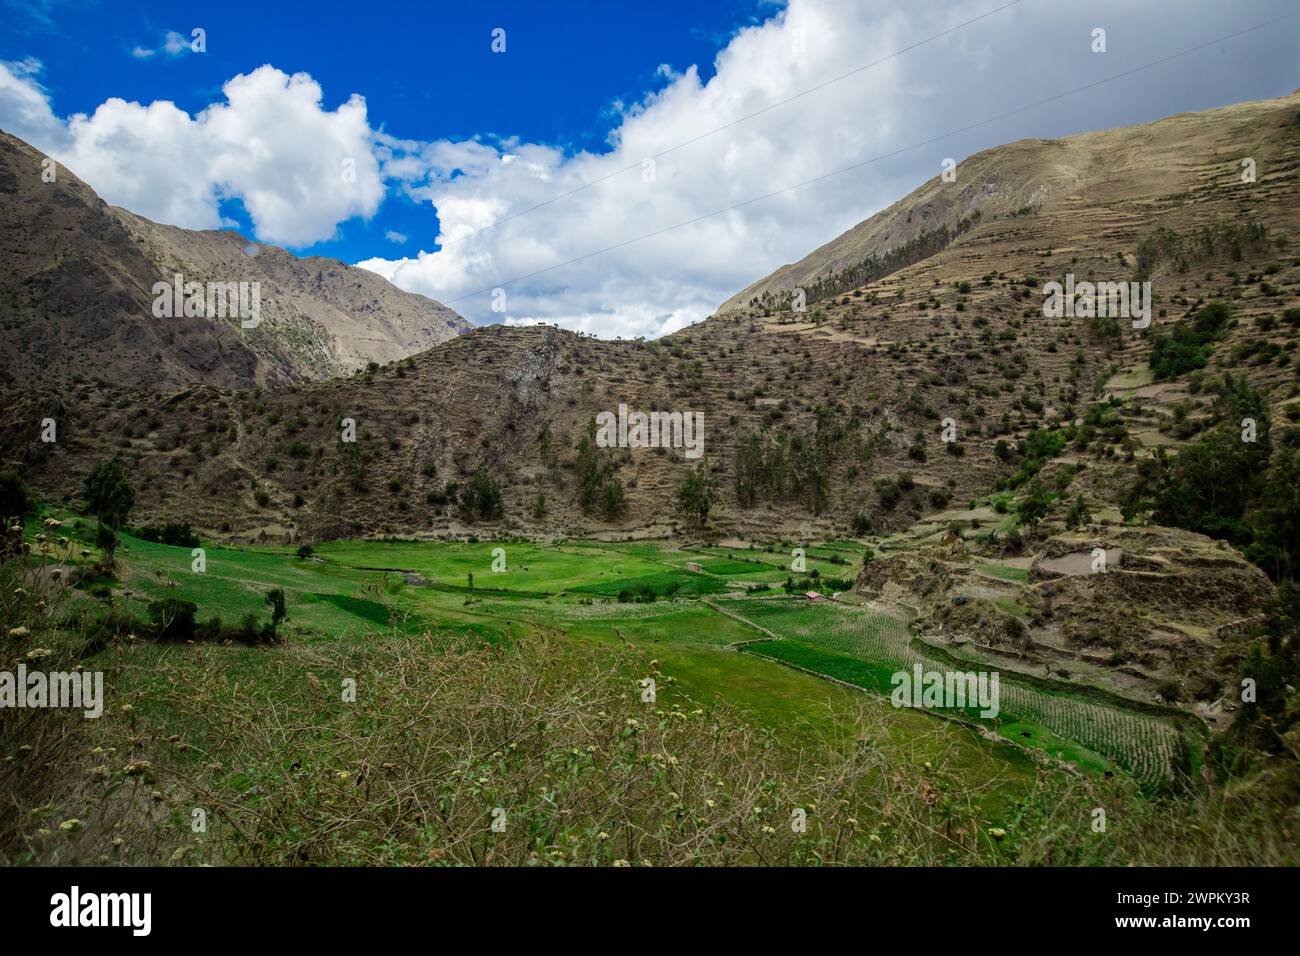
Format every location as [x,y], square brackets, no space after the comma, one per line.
[424,68]
[394,138]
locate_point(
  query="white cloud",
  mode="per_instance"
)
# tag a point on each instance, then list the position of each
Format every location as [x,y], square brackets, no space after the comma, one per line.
[298,168]
[25,106]
[899,113]
[663,283]
[272,145]
[392,235]
[173,44]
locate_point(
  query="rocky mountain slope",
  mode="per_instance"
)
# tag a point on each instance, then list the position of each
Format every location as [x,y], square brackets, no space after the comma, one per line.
[1121,169]
[847,403]
[76,297]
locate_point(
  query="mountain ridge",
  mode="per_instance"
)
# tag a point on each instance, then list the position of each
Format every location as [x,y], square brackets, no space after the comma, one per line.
[78,277]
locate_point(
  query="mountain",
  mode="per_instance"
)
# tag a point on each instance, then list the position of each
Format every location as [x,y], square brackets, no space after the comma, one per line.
[77,297]
[1119,170]
[933,411]
[811,419]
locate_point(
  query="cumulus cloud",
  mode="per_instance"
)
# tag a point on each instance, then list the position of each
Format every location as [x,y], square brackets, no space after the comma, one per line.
[707,238]
[24,105]
[298,168]
[690,198]
[644,184]
[392,235]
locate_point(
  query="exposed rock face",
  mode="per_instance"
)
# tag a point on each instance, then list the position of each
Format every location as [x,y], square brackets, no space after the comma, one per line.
[1160,615]
[76,289]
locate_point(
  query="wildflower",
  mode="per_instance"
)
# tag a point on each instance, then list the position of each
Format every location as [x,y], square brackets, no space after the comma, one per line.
[70,826]
[135,768]
[997,833]
[622,863]
[18,632]
[100,771]
[602,836]
[709,803]
[768,829]
[342,775]
[36,653]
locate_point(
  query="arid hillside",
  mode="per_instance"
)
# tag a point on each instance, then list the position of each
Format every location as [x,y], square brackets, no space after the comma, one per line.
[76,297]
[841,411]
[1121,169]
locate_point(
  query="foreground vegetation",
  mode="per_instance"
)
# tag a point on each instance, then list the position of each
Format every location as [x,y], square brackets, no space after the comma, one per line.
[405,697]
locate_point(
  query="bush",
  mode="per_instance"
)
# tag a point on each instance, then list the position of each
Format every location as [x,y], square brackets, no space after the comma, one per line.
[177,535]
[15,502]
[173,620]
[1187,348]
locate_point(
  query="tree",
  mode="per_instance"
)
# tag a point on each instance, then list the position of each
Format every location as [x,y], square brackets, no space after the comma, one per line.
[481,498]
[1209,484]
[1078,514]
[1034,508]
[275,598]
[611,498]
[1275,518]
[14,499]
[108,495]
[695,496]
[546,447]
[597,484]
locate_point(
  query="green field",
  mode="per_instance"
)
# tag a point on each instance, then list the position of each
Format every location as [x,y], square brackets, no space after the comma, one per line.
[692,621]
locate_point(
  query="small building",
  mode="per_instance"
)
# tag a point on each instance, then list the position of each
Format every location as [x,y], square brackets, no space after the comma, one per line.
[692,566]
[814,596]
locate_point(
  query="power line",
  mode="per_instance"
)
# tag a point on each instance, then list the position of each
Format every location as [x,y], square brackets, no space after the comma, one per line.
[725,126]
[875,159]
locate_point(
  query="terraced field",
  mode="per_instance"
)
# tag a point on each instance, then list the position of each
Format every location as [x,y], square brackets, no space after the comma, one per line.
[865,647]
